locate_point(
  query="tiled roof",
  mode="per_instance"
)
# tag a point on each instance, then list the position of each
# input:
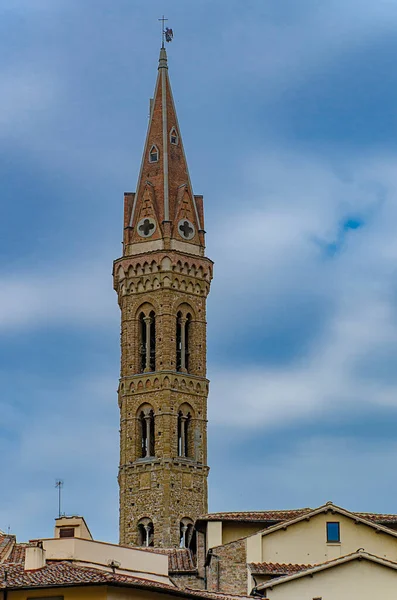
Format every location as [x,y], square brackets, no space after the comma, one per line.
[286,515]
[261,515]
[65,573]
[17,555]
[378,517]
[6,543]
[179,559]
[276,568]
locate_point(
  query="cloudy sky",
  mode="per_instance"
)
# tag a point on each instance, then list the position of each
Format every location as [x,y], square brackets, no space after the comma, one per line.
[288,115]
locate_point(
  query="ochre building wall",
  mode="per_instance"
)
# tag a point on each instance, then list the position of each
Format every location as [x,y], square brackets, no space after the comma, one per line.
[358,580]
[306,543]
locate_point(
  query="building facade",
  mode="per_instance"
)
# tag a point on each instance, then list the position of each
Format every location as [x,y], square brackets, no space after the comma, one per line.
[162,281]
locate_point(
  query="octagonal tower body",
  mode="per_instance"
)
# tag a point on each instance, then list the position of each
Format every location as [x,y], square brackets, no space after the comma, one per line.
[162,281]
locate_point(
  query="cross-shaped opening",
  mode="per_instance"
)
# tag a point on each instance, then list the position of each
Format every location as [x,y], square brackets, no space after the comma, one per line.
[146,227]
[186,229]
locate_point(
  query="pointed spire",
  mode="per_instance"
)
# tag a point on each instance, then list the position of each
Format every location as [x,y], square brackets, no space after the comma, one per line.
[164,192]
[163,64]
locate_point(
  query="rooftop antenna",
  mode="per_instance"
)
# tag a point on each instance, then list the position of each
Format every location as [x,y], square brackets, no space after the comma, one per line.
[59,485]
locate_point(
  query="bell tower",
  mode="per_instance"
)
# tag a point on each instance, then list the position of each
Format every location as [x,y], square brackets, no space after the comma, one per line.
[162,281]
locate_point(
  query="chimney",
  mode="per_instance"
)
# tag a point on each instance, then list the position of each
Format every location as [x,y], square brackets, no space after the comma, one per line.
[34,557]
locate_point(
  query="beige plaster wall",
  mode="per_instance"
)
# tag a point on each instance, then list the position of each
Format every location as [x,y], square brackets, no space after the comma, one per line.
[115,593]
[72,593]
[78,523]
[305,542]
[214,534]
[232,531]
[357,580]
[148,565]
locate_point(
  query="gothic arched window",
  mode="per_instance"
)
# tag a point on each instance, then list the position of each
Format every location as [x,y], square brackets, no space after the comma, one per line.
[183,323]
[146,421]
[147,341]
[145,532]
[153,154]
[184,433]
[174,136]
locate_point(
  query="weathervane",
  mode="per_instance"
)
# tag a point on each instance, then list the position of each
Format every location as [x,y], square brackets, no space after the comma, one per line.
[166,32]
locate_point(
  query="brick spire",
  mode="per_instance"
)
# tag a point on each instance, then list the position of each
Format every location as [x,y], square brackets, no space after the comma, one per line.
[164,210]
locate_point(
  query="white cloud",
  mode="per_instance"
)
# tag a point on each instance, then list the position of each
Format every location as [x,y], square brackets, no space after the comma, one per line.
[278,260]
[82,295]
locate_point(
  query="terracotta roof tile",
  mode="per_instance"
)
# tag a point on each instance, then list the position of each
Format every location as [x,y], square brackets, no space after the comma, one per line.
[6,543]
[64,573]
[378,517]
[261,515]
[267,568]
[18,554]
[179,559]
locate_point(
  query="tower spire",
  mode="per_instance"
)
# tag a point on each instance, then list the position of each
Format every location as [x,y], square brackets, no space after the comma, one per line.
[164,193]
[162,282]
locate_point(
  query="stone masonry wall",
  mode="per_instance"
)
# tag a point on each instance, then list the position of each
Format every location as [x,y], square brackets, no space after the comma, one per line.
[227,572]
[164,488]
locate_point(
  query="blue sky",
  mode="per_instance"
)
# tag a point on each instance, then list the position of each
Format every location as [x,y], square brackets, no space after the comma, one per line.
[287,111]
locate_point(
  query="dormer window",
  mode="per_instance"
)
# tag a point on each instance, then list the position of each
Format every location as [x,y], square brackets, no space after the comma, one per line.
[174,137]
[153,154]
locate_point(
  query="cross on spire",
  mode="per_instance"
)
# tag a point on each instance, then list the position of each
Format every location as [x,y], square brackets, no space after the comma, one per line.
[163,20]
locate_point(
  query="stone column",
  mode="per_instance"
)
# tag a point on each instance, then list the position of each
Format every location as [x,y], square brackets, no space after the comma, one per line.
[148,321]
[147,532]
[183,322]
[183,435]
[148,419]
[184,530]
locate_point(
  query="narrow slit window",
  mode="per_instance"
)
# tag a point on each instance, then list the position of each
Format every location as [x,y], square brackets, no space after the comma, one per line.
[153,154]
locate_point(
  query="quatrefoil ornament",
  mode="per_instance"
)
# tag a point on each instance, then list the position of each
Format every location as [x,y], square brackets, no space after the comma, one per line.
[146,227]
[186,229]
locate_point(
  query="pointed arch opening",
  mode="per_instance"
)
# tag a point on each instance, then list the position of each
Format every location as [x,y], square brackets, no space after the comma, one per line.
[147,433]
[183,331]
[174,137]
[145,532]
[153,154]
[184,432]
[147,341]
